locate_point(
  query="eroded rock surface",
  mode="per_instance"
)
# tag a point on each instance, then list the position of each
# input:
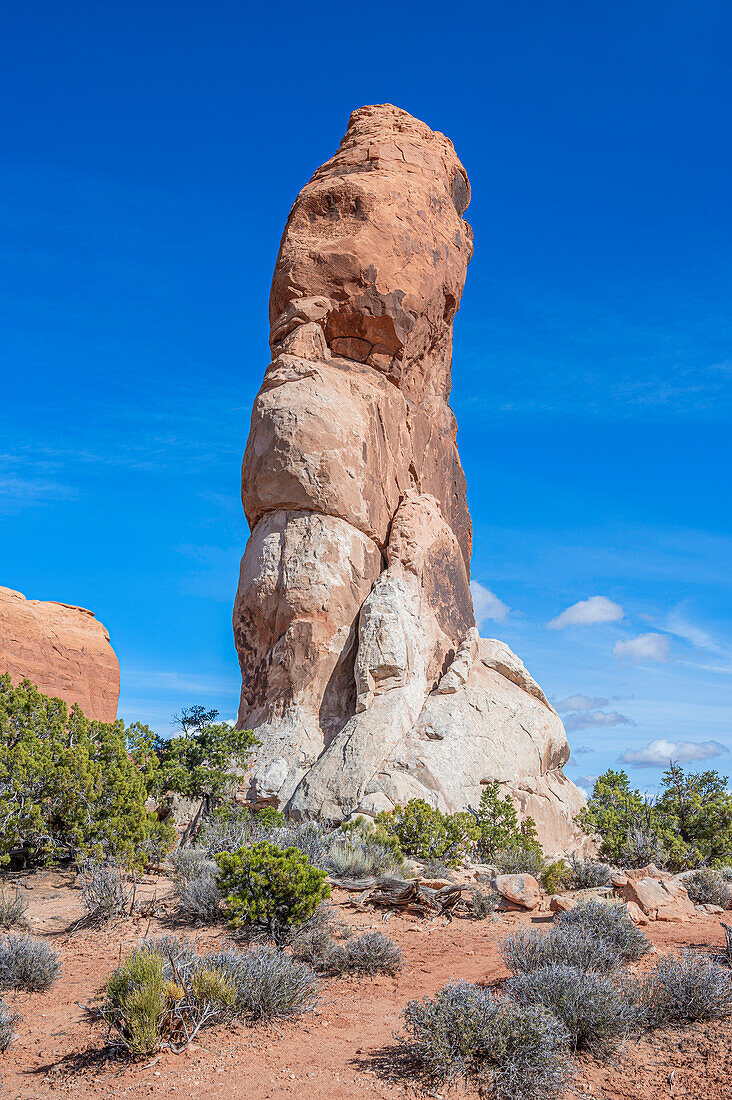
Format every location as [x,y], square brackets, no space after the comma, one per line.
[62,649]
[363,673]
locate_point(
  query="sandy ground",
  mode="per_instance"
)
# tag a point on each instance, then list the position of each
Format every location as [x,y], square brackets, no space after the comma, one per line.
[334,1054]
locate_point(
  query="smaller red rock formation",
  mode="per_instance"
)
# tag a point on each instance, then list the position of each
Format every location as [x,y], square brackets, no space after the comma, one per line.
[62,649]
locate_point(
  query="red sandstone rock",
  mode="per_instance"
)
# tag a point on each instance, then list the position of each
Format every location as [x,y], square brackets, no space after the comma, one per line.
[62,649]
[560,903]
[522,890]
[362,671]
[658,894]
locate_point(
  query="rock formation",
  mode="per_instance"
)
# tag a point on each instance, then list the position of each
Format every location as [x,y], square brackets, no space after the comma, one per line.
[64,650]
[363,674]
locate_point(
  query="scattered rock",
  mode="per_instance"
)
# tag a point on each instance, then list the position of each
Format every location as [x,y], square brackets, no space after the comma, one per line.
[658,894]
[560,903]
[522,890]
[62,649]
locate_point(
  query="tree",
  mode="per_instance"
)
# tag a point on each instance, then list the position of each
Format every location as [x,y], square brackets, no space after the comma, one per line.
[68,785]
[699,809]
[689,824]
[199,762]
[498,824]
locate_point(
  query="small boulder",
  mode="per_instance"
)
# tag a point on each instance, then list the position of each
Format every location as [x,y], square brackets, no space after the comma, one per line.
[656,893]
[560,903]
[521,890]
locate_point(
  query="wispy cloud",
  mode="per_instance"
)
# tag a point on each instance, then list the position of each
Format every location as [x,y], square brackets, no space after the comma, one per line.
[593,719]
[677,623]
[579,702]
[597,609]
[658,753]
[487,604]
[646,647]
[25,492]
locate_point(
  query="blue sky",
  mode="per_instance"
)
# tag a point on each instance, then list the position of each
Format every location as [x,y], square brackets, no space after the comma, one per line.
[150,154]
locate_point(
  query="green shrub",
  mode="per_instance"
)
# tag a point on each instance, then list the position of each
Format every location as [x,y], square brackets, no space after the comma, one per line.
[69,786]
[707,887]
[593,1008]
[163,993]
[270,887]
[555,876]
[27,963]
[498,827]
[426,833]
[507,1050]
[12,909]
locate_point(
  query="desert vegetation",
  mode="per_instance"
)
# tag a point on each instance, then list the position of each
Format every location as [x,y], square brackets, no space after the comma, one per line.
[262,886]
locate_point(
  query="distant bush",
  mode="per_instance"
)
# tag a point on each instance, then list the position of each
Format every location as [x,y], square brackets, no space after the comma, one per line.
[27,963]
[359,856]
[610,924]
[683,989]
[270,887]
[164,992]
[483,902]
[12,909]
[707,887]
[520,861]
[9,1021]
[426,833]
[592,1007]
[70,786]
[370,953]
[310,837]
[555,876]
[525,951]
[106,892]
[584,874]
[509,1051]
[199,897]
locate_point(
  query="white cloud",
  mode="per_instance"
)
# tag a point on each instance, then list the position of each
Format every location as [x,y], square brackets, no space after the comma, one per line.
[598,609]
[678,624]
[486,604]
[646,647]
[593,718]
[658,753]
[579,702]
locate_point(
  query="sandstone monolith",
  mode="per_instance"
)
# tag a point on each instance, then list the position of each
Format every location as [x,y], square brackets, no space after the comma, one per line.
[62,649]
[363,674]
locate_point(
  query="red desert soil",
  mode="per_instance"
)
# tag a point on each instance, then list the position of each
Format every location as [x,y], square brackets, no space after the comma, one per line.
[331,1055]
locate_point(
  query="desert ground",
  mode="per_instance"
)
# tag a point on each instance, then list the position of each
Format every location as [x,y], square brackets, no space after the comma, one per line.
[345,1049]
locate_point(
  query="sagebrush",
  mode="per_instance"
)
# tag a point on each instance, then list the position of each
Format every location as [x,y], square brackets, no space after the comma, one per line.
[27,963]
[507,1050]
